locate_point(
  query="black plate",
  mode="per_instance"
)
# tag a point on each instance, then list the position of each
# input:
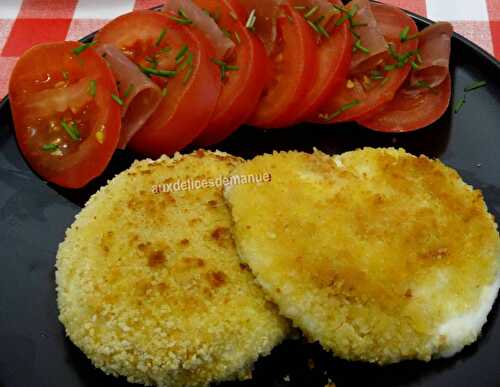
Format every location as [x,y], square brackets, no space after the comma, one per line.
[34,216]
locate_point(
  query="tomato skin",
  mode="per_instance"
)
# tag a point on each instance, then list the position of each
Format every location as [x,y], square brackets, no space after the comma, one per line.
[334,59]
[409,111]
[48,62]
[241,89]
[373,99]
[186,109]
[292,75]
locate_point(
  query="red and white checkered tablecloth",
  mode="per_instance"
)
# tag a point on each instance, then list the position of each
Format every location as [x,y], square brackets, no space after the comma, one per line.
[24,23]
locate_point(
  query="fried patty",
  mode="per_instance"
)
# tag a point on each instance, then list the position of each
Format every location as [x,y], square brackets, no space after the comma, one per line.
[150,285]
[377,254]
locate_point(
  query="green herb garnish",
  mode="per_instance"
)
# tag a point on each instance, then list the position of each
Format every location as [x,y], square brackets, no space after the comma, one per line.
[342,109]
[65,75]
[182,18]
[311,12]
[252,18]
[77,51]
[72,130]
[475,86]
[459,105]
[158,73]
[160,38]
[348,14]
[164,91]
[360,47]
[187,62]
[224,67]
[403,36]
[188,74]
[50,147]
[117,99]
[129,90]
[92,88]
[180,55]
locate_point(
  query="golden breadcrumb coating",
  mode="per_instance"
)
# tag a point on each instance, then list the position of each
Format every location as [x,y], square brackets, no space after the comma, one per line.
[150,285]
[370,252]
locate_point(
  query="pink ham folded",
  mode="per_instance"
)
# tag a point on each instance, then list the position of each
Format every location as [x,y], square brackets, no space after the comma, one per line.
[141,96]
[367,33]
[203,22]
[435,49]
[265,13]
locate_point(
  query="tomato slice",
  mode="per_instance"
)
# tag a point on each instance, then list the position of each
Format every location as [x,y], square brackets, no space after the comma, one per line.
[66,122]
[375,85]
[334,52]
[293,71]
[177,57]
[411,109]
[243,77]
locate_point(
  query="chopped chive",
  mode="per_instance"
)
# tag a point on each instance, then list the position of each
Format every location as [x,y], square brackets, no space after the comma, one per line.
[377,77]
[250,24]
[160,38]
[347,15]
[360,47]
[182,18]
[403,36]
[384,81]
[233,15]
[300,7]
[355,34]
[422,84]
[188,74]
[187,62]
[158,73]
[342,109]
[389,67]
[237,37]
[322,30]
[414,65]
[50,147]
[226,33]
[180,55]
[164,91]
[72,130]
[356,25]
[117,99]
[65,75]
[340,9]
[152,61]
[77,51]
[166,49]
[459,105]
[92,88]
[475,86]
[129,90]
[311,12]
[313,26]
[224,67]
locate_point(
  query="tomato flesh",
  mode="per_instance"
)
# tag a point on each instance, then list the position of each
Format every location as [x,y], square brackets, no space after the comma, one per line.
[411,109]
[244,82]
[373,86]
[66,132]
[157,41]
[294,62]
[334,57]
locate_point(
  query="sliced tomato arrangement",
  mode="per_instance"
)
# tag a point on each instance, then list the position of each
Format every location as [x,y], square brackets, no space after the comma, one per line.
[334,52]
[411,109]
[177,57]
[380,78]
[67,124]
[293,70]
[192,73]
[241,71]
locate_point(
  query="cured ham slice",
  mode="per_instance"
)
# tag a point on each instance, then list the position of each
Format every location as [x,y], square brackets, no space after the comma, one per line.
[367,33]
[265,13]
[141,96]
[435,49]
[204,22]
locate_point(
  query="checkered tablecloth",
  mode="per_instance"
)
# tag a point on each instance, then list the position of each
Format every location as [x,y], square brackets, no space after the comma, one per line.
[24,23]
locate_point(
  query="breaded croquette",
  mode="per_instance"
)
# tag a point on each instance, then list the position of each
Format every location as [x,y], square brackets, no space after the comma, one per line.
[379,255]
[150,285]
